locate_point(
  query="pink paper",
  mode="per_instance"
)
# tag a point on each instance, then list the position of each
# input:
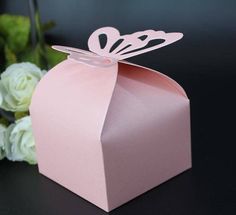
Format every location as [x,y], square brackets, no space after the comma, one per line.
[109,132]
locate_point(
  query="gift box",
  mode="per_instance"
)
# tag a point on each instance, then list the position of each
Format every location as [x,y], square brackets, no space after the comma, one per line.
[107,129]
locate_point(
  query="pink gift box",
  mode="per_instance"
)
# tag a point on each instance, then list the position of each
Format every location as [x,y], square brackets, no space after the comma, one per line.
[109,130]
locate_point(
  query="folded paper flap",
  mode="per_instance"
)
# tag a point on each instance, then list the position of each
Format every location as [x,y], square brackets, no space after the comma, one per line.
[136,73]
[174,86]
[171,84]
[83,89]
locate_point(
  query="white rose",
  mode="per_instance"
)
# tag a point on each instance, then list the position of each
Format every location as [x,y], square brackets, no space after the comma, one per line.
[19,141]
[2,133]
[17,84]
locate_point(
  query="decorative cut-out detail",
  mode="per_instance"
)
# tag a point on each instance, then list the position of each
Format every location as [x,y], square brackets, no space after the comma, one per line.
[132,44]
[118,47]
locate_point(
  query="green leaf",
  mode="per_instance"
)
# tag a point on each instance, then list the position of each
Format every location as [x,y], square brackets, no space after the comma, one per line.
[15,30]
[38,56]
[2,55]
[4,121]
[19,115]
[2,42]
[54,57]
[32,55]
[9,56]
[48,25]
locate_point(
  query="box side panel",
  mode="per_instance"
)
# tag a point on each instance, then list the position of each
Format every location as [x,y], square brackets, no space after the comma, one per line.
[146,137]
[68,109]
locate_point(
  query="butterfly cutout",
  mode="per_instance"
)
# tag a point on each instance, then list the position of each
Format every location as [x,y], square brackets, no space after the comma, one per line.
[118,47]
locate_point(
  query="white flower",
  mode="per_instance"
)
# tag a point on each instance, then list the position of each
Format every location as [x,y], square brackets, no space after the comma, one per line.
[2,133]
[19,141]
[17,84]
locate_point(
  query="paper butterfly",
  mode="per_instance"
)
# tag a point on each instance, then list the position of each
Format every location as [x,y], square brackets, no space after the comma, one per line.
[118,47]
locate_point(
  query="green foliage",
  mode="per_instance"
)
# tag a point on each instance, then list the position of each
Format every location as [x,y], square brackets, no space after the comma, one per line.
[2,42]
[15,43]
[54,56]
[15,46]
[48,25]
[4,121]
[33,55]
[38,56]
[19,115]
[9,56]
[15,30]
